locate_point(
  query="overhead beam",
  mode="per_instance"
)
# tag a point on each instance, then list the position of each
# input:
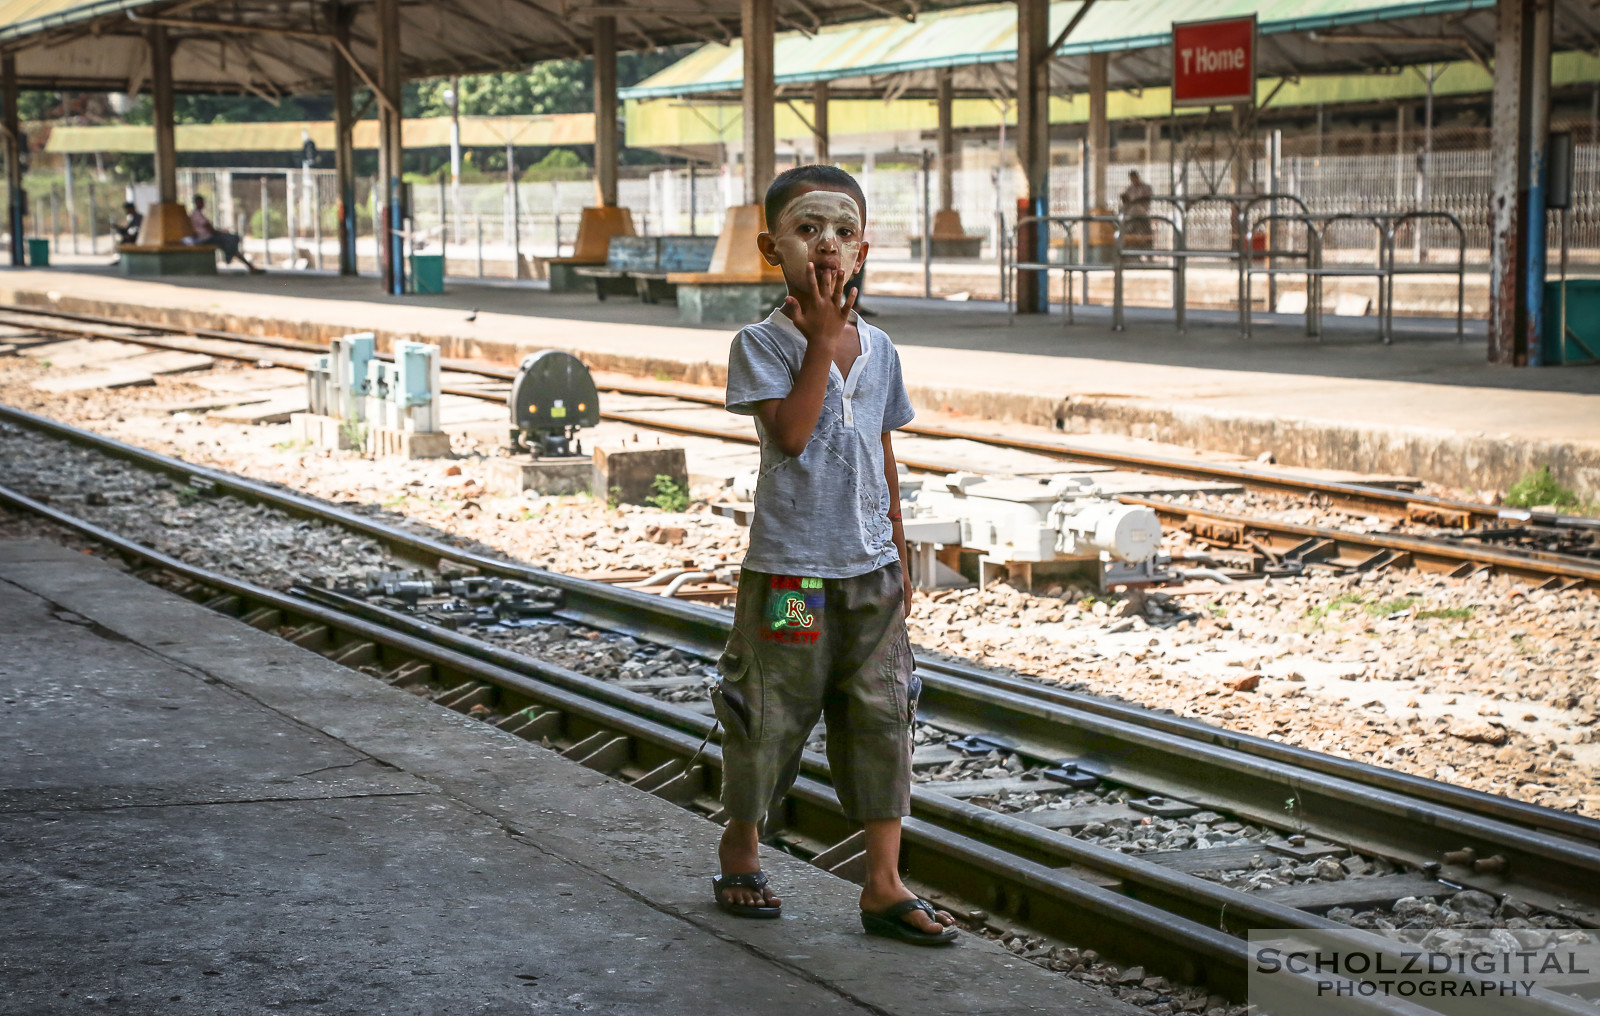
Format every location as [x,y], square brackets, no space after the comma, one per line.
[1067,31]
[342,44]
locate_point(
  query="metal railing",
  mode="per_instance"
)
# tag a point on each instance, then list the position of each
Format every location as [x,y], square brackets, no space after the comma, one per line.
[1383,269]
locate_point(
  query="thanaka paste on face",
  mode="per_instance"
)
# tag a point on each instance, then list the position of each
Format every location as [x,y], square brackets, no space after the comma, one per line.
[831,213]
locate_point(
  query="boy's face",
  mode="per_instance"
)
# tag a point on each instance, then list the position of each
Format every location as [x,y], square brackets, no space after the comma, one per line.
[818,226]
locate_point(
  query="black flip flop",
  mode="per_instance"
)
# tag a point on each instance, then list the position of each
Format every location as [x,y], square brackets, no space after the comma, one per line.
[888,924]
[756,880]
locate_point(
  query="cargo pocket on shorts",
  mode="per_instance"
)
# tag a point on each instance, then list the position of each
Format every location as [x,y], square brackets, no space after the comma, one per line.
[904,686]
[737,697]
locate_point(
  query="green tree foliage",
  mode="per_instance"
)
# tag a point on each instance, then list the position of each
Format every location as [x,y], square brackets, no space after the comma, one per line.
[235,109]
[558,164]
[557,86]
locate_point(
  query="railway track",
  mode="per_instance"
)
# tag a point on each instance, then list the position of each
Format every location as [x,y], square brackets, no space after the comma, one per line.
[1001,867]
[1495,539]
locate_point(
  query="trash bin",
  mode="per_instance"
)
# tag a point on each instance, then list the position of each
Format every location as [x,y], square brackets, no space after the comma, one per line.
[1582,344]
[427,273]
[39,251]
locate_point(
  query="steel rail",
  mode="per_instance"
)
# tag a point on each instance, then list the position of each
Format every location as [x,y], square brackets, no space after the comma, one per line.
[702,630]
[601,728]
[1424,553]
[1053,902]
[611,731]
[1364,496]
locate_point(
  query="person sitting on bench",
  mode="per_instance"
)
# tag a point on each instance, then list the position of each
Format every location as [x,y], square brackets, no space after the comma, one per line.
[228,243]
[132,222]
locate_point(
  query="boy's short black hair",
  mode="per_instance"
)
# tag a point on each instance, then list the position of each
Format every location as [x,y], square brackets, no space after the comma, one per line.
[830,177]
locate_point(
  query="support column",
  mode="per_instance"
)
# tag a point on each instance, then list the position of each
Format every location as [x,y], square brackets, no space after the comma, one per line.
[947,140]
[391,149]
[757,23]
[344,161]
[1240,168]
[166,223]
[819,122]
[1033,145]
[16,203]
[1099,133]
[605,111]
[949,237]
[1516,254]
[166,152]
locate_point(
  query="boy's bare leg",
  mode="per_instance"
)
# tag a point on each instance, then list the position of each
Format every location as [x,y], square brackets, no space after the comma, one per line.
[884,888]
[739,853]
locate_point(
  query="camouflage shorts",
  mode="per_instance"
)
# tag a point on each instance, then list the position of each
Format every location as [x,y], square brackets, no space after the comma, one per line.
[808,648]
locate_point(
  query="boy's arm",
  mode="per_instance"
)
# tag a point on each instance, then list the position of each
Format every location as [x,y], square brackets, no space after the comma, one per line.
[821,314]
[891,476]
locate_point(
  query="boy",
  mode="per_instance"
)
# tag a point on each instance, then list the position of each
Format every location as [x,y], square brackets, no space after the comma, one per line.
[819,625]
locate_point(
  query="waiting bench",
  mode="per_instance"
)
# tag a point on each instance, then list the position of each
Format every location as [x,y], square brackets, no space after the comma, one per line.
[642,264]
[167,259]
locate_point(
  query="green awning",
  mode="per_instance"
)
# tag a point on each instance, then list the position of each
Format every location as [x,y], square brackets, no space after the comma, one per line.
[1301,38]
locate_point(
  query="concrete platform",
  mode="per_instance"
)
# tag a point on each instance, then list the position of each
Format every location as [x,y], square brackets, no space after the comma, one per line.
[1424,406]
[196,817]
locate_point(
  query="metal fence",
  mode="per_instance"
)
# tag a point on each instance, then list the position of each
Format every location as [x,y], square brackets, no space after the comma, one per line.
[288,216]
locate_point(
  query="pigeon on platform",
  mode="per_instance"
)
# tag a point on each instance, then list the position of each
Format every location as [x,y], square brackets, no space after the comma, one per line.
[474,315]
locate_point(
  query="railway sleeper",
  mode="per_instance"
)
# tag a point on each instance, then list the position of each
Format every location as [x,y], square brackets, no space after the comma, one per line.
[264,618]
[353,654]
[411,672]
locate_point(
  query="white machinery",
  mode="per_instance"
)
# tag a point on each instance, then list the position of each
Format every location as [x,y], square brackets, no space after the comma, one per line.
[1017,523]
[404,395]
[352,384]
[1024,522]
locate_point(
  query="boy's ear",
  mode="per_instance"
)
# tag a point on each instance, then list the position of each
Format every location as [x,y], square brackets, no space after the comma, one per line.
[768,248]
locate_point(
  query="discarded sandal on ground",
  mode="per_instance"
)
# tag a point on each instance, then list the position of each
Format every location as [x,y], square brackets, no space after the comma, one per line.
[756,880]
[888,924]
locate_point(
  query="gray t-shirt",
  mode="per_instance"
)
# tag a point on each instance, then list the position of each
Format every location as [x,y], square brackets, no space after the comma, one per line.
[825,513]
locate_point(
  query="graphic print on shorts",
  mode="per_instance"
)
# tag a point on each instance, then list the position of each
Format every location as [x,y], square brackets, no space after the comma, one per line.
[794,610]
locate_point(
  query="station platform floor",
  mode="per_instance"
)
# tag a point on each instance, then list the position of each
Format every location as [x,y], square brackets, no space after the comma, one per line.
[1425,405]
[197,817]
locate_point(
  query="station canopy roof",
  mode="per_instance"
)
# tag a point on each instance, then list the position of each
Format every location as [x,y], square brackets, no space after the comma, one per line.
[894,57]
[276,47]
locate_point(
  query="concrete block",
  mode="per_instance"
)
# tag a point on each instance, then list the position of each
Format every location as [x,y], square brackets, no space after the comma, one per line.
[629,474]
[176,260]
[567,474]
[326,431]
[408,444]
[276,410]
[728,302]
[564,277]
[112,377]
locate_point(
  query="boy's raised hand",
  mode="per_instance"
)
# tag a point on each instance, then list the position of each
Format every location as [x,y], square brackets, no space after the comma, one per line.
[821,310]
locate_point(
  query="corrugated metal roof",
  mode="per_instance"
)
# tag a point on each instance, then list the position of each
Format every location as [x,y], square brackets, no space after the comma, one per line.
[287,136]
[987,35]
[672,123]
[273,47]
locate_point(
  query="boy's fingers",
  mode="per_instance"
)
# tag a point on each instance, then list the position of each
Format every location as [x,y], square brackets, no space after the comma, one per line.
[850,304]
[790,303]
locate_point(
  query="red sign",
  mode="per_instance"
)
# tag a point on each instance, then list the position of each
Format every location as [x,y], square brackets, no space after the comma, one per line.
[1214,62]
